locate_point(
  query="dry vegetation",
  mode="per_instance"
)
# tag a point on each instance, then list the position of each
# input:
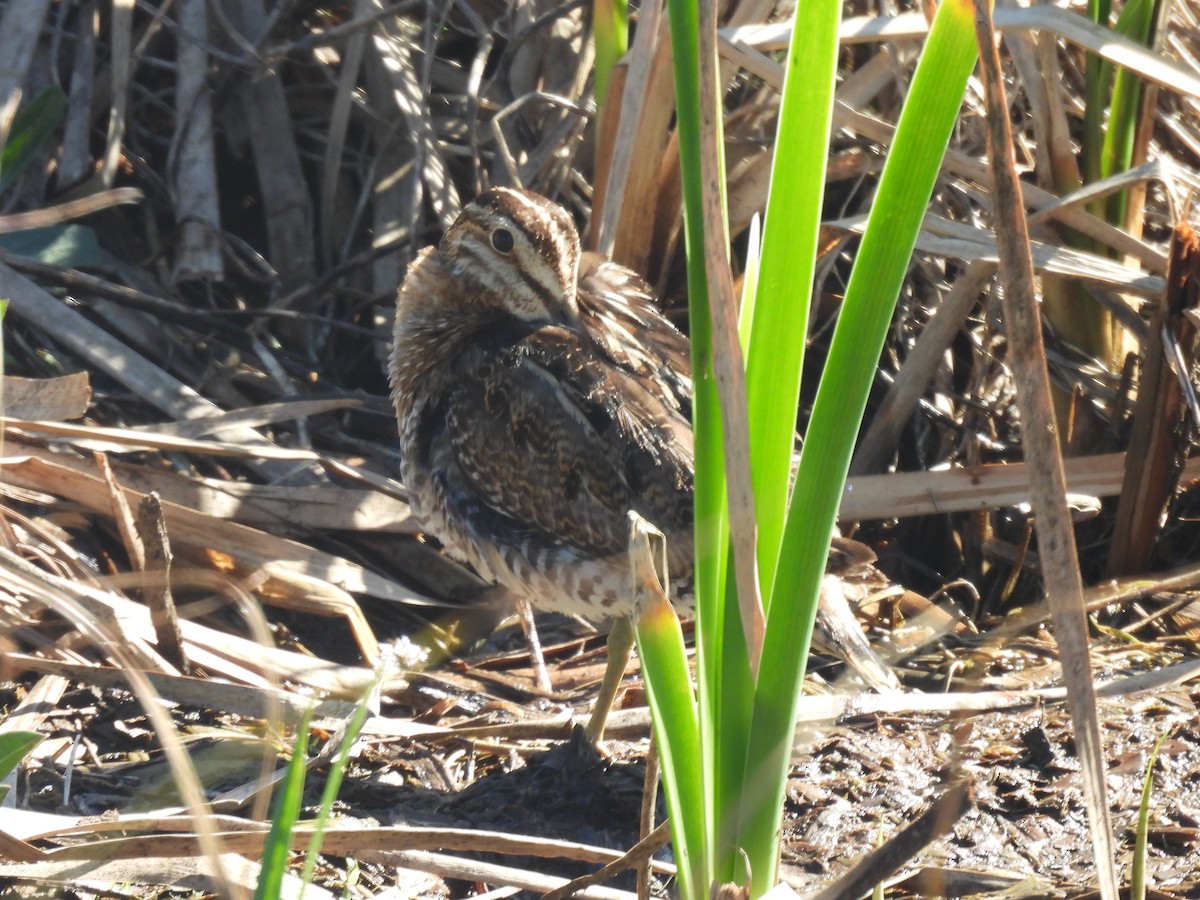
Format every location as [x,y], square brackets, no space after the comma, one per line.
[197,422]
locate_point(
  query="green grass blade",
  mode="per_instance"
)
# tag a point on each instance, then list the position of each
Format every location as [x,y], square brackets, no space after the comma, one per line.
[14,747]
[774,321]
[726,731]
[1099,11]
[1107,144]
[906,185]
[750,286]
[711,513]
[728,672]
[711,530]
[1137,874]
[1116,153]
[610,30]
[677,734]
[1098,77]
[286,812]
[785,270]
[337,771]
[30,130]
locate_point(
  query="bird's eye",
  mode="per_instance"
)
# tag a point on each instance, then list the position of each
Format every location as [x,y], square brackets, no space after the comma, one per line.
[502,240]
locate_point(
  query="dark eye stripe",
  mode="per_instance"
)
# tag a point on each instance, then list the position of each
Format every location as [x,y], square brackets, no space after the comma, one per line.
[550,299]
[505,274]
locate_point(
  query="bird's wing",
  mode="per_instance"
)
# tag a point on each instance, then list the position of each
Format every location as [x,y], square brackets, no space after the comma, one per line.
[550,433]
[618,311]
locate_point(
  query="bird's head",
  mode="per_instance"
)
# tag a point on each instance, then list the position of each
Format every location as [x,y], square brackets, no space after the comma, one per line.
[518,253]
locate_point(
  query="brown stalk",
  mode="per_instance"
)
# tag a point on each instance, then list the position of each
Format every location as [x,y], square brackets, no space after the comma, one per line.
[1159,442]
[728,366]
[1047,480]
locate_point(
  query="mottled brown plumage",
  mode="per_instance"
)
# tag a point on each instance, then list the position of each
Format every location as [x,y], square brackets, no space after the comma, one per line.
[540,397]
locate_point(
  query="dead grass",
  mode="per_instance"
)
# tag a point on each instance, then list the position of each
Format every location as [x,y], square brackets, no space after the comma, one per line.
[218,343]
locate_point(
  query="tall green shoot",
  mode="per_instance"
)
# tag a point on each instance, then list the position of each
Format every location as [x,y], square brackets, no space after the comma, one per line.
[745,729]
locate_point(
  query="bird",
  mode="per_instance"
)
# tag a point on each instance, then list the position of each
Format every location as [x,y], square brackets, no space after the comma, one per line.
[541,396]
